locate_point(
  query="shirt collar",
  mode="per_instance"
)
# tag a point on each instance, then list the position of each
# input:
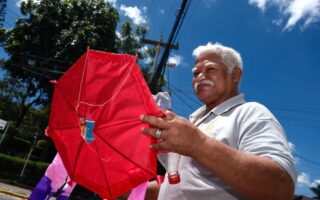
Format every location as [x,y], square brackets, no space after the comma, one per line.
[221,108]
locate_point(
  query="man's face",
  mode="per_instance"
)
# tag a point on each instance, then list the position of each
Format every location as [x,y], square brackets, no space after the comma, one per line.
[211,81]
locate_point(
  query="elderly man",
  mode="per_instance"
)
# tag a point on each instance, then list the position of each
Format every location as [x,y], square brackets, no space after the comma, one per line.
[231,149]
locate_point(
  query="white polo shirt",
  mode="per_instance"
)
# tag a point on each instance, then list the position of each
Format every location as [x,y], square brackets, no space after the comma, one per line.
[247,126]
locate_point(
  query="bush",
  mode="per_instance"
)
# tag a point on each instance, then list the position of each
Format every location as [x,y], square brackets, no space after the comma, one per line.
[11,167]
[16,146]
[41,144]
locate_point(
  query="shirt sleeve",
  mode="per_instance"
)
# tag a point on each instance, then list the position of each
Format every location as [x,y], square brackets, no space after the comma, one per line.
[265,137]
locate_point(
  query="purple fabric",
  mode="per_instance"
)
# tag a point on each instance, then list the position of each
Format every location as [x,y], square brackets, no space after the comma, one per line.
[42,189]
[55,182]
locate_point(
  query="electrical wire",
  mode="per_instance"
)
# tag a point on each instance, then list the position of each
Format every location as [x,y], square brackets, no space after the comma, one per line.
[14,13]
[179,28]
[37,73]
[33,71]
[292,108]
[306,159]
[151,5]
[182,20]
[49,64]
[186,95]
[189,17]
[184,102]
[39,57]
[167,18]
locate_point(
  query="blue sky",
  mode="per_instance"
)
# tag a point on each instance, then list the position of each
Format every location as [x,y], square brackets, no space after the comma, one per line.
[280,46]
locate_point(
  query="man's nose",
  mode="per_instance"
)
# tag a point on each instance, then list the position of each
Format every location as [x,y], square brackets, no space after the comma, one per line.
[201,76]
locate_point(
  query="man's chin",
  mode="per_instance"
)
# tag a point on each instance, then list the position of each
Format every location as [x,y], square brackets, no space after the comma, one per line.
[203,96]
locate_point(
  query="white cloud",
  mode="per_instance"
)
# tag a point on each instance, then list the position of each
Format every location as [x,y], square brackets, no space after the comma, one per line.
[18,2]
[135,14]
[175,60]
[263,4]
[293,11]
[112,2]
[118,34]
[209,3]
[315,183]
[304,180]
[277,22]
[291,146]
[144,49]
[148,60]
[259,3]
[309,10]
[161,11]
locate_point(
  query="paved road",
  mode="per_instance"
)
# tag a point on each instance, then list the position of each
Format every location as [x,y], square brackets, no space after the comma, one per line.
[8,197]
[11,192]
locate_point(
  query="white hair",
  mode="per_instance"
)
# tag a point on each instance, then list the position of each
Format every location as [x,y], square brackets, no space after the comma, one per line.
[230,57]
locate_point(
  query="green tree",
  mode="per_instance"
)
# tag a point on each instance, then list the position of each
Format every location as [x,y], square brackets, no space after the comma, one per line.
[17,98]
[45,42]
[52,35]
[3,6]
[316,190]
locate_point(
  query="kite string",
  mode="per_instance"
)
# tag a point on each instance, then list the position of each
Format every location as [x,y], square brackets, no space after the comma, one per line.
[81,82]
[116,93]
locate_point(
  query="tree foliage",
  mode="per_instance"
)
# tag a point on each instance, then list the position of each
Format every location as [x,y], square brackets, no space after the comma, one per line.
[52,35]
[316,190]
[3,6]
[44,43]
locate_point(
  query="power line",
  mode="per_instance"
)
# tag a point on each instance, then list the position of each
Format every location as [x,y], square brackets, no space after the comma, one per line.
[186,95]
[188,105]
[49,64]
[39,57]
[182,19]
[33,71]
[47,70]
[167,18]
[11,11]
[306,109]
[182,16]
[37,73]
[306,159]
[151,5]
[189,17]
[154,80]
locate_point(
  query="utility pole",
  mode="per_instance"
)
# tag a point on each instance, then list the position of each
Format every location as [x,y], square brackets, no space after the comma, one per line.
[154,81]
[158,44]
[29,154]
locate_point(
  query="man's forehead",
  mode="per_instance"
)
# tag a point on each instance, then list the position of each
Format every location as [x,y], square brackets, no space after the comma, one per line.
[208,57]
[205,63]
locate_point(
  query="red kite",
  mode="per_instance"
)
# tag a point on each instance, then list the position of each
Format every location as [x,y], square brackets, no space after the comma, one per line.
[94,123]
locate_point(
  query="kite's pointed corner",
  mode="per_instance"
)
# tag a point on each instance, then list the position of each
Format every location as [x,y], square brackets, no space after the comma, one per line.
[53,81]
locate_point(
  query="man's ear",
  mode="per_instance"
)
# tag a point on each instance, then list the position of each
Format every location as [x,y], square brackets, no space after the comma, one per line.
[236,75]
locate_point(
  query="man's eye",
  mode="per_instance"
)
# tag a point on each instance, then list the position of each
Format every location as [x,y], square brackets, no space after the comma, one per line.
[210,70]
[195,74]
